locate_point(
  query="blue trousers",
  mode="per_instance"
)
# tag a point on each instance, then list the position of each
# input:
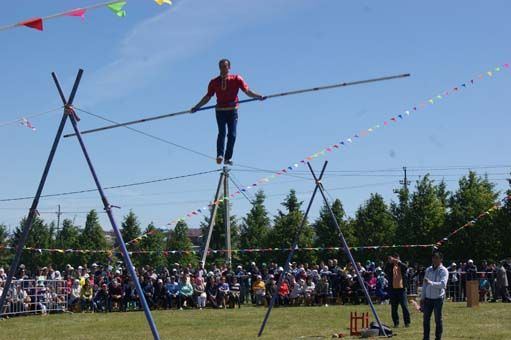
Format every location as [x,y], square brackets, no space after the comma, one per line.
[433,306]
[227,119]
[398,297]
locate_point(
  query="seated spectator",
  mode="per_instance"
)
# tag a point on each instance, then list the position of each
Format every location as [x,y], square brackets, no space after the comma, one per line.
[101,300]
[296,296]
[212,291]
[115,294]
[199,289]
[172,292]
[223,292]
[148,289]
[130,296]
[159,294]
[185,293]
[309,291]
[284,293]
[259,290]
[74,295]
[86,296]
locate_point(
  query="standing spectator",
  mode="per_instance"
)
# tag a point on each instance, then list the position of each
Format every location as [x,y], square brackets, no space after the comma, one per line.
[502,282]
[395,271]
[471,271]
[322,291]
[159,294]
[454,287]
[433,294]
[234,293]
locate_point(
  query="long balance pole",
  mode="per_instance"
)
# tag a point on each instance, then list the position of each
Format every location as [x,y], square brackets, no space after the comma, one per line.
[347,251]
[33,209]
[108,209]
[275,95]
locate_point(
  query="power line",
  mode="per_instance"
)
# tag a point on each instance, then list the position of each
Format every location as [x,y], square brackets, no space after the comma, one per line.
[166,141]
[112,187]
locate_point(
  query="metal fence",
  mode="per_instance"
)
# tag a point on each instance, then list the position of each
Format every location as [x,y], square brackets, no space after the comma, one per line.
[456,286]
[36,296]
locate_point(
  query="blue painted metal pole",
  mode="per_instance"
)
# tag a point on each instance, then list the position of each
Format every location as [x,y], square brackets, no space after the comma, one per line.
[290,255]
[33,209]
[347,251]
[108,209]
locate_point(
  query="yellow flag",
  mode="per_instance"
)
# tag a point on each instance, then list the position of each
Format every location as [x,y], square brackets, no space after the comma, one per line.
[161,2]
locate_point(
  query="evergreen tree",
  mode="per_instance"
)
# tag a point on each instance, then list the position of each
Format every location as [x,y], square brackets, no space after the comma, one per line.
[402,214]
[130,229]
[67,238]
[255,228]
[39,237]
[4,254]
[326,231]
[474,196]
[374,224]
[286,226]
[178,240]
[92,237]
[218,237]
[153,241]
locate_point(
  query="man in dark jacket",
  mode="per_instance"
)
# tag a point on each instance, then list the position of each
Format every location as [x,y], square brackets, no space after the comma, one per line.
[396,273]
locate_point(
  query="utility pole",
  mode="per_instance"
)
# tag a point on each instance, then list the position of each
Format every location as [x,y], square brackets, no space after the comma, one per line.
[404,182]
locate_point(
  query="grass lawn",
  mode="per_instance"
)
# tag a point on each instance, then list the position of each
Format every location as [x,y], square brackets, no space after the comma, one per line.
[489,321]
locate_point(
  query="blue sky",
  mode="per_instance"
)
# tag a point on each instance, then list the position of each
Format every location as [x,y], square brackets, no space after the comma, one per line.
[160,59]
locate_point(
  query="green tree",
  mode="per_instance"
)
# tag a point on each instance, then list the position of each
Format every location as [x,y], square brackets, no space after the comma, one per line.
[93,237]
[4,253]
[373,223]
[326,231]
[179,240]
[39,237]
[402,214]
[218,237]
[255,228]
[153,241]
[130,229]
[286,226]
[67,238]
[474,196]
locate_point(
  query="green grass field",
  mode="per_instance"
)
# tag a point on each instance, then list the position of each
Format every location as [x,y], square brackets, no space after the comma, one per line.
[489,321]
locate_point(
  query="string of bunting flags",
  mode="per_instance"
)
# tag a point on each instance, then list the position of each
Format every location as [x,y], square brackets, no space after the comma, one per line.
[212,251]
[345,142]
[117,7]
[473,221]
[111,252]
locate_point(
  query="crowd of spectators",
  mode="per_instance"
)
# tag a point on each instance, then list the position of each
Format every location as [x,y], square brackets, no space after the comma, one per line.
[104,288]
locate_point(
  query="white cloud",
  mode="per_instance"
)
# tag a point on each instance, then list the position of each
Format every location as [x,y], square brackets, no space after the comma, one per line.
[184,30]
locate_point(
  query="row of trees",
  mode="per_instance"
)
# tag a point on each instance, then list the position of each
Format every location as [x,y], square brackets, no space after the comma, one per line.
[423,215]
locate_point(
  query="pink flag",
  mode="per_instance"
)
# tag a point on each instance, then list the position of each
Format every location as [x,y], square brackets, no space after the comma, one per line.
[79,12]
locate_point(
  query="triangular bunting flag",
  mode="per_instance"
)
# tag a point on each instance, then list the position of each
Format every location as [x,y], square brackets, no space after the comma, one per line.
[33,23]
[117,8]
[79,12]
[161,2]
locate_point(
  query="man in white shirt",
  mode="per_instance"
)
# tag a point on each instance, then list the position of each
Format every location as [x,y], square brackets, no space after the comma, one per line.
[433,295]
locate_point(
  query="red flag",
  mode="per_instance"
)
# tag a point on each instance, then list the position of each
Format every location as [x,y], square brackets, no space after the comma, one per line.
[33,23]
